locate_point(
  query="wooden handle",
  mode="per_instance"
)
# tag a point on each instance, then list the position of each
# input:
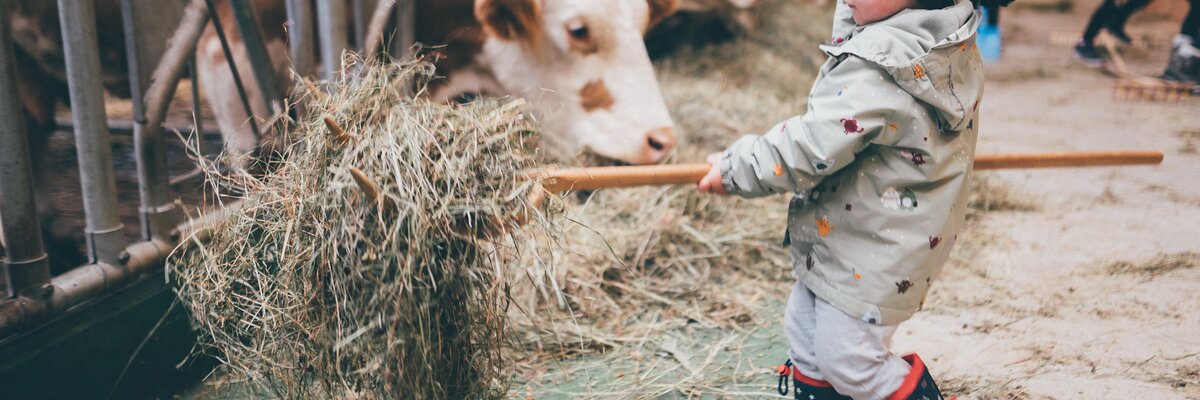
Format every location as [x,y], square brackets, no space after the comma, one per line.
[1067,159]
[558,181]
[561,180]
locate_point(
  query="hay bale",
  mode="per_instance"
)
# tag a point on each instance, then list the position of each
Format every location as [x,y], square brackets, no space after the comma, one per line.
[324,284]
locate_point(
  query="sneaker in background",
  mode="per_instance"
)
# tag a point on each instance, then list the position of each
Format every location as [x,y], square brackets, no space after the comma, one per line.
[1088,55]
[1184,64]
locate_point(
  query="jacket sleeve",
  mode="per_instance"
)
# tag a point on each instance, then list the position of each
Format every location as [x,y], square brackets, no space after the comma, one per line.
[856,104]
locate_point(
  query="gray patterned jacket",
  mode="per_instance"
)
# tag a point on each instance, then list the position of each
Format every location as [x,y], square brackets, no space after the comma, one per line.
[879,163]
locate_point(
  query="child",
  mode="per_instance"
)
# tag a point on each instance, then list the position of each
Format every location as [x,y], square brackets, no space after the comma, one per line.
[878,168]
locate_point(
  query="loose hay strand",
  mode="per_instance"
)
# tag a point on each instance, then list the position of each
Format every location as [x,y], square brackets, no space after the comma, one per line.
[312,289]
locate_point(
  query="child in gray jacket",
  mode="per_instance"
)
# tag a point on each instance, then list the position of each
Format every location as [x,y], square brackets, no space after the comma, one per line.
[878,169]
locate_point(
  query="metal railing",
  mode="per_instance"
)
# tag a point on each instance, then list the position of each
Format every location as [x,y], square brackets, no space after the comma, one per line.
[29,295]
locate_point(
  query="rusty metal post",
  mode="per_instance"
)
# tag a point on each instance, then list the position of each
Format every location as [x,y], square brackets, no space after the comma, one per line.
[104,236]
[24,266]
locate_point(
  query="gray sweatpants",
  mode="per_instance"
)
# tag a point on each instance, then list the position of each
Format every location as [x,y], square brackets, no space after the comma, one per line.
[852,355]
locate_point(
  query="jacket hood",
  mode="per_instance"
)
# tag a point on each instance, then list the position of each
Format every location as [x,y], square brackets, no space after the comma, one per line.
[931,54]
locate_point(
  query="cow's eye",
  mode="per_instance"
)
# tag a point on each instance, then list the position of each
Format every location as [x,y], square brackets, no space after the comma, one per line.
[579,37]
[579,32]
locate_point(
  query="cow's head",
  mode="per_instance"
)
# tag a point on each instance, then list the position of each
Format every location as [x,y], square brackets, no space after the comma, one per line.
[584,65]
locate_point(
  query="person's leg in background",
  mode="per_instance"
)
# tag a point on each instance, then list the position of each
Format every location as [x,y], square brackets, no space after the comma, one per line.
[1191,23]
[1116,25]
[1085,49]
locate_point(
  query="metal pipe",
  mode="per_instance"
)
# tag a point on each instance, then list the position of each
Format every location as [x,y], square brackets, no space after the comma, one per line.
[124,127]
[157,210]
[331,17]
[359,10]
[406,28]
[256,54]
[169,70]
[300,33]
[24,266]
[197,118]
[90,281]
[375,35]
[86,282]
[94,149]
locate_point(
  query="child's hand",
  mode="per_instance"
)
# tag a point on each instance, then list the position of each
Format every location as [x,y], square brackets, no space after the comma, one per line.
[711,183]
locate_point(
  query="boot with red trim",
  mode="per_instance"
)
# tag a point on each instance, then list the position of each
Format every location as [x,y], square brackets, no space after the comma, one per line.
[803,387]
[918,385]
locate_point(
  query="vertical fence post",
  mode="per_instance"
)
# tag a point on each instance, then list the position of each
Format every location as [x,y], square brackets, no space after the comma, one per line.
[300,33]
[24,266]
[331,17]
[144,46]
[406,28]
[104,236]
[360,20]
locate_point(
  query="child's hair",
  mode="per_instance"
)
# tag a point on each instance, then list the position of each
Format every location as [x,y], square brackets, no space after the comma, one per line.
[940,4]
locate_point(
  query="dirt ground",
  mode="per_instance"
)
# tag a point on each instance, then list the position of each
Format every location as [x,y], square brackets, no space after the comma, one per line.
[1090,291]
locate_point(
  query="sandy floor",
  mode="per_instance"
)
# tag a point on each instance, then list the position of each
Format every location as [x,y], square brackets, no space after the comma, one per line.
[1041,310]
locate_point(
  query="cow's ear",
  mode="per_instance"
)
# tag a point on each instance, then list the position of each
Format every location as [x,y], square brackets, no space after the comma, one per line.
[510,19]
[661,9]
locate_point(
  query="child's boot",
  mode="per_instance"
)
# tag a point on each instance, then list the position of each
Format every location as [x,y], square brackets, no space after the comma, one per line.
[803,387]
[918,385]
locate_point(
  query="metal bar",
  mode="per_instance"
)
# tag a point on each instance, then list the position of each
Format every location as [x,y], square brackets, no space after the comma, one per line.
[170,69]
[331,17]
[92,144]
[256,54]
[406,28]
[90,281]
[24,266]
[375,36]
[359,8]
[124,127]
[197,116]
[237,76]
[300,34]
[157,210]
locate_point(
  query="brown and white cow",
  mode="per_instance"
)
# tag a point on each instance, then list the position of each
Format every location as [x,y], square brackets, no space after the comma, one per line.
[581,63]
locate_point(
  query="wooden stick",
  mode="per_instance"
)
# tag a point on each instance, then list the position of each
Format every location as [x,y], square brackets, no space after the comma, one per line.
[1067,159]
[558,181]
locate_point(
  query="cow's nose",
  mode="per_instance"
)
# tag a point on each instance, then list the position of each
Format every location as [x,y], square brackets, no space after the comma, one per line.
[659,143]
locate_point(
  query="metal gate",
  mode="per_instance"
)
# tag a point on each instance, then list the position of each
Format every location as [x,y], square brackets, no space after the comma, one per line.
[29,295]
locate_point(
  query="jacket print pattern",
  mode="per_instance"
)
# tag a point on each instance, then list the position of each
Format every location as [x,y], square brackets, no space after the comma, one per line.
[878,165]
